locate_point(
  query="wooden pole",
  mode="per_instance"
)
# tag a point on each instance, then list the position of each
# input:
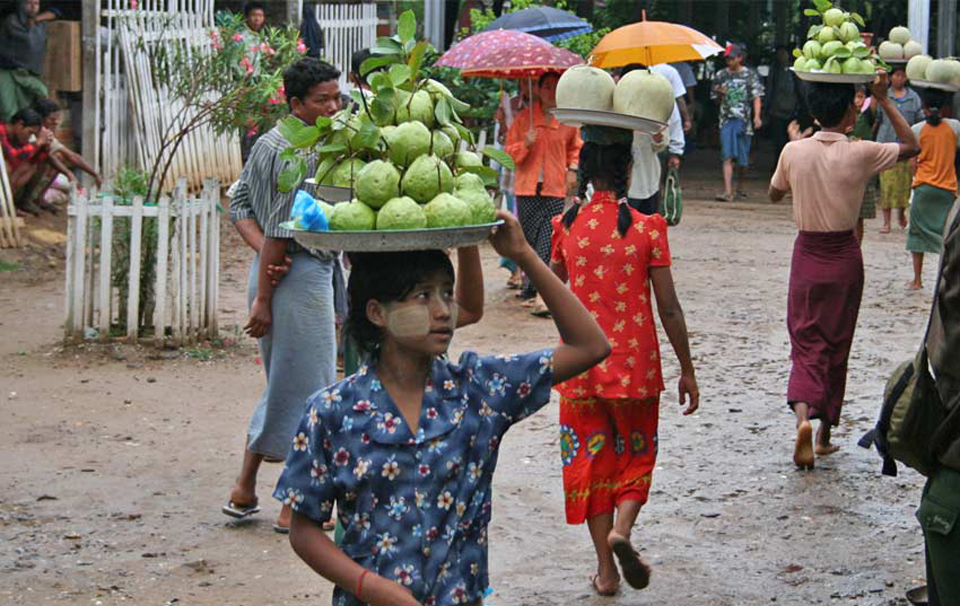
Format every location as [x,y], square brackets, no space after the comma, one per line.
[89,28]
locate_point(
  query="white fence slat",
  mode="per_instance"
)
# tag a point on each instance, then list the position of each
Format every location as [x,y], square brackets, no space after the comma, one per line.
[106,258]
[192,268]
[79,256]
[69,290]
[133,292]
[184,262]
[163,243]
[175,326]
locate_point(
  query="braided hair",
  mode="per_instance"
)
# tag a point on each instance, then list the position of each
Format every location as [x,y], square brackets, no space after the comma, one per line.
[609,164]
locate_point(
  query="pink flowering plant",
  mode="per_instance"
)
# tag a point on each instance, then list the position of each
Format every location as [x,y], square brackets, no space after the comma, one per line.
[231,79]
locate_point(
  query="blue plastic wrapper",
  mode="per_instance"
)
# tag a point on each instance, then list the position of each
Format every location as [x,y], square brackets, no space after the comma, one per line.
[307,213]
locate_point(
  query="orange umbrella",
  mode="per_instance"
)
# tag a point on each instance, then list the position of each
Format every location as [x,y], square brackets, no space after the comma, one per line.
[651,43]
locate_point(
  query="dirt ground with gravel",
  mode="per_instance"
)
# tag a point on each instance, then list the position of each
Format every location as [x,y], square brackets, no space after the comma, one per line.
[115,460]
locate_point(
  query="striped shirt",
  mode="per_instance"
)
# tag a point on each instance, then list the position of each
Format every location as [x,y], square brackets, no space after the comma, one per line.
[257,196]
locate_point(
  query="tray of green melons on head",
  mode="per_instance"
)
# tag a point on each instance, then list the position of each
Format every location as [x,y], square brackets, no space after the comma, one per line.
[834,51]
[398,169]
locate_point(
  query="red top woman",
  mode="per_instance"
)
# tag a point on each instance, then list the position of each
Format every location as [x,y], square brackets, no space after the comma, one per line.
[611,254]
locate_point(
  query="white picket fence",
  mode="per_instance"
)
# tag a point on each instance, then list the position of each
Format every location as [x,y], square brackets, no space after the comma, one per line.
[346,28]
[187,266]
[134,116]
[9,224]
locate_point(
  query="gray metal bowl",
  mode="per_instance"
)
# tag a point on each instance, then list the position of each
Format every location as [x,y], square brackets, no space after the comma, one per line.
[328,193]
[387,241]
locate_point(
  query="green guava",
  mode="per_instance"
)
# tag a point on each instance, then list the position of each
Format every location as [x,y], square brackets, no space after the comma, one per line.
[401,213]
[482,208]
[834,17]
[446,210]
[325,170]
[352,216]
[454,135]
[464,158]
[469,181]
[418,106]
[811,50]
[385,133]
[426,177]
[345,175]
[408,142]
[442,146]
[378,182]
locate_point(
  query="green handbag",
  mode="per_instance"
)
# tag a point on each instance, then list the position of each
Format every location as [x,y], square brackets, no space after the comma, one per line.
[671,203]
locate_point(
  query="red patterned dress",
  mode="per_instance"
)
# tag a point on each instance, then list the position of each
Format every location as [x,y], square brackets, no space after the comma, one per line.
[609,414]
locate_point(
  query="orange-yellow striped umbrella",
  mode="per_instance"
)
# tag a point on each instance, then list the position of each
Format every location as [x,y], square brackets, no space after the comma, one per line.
[652,42]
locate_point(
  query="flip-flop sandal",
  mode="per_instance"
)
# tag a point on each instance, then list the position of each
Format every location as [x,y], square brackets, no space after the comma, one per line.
[741,195]
[281,529]
[541,312]
[238,511]
[529,303]
[635,572]
[723,198]
[514,285]
[596,588]
[884,230]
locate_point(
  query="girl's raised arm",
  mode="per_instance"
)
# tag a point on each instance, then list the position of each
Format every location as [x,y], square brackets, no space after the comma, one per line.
[469,286]
[583,343]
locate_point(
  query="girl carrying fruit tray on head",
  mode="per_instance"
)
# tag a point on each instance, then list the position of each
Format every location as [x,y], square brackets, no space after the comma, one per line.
[827,174]
[407,446]
[611,255]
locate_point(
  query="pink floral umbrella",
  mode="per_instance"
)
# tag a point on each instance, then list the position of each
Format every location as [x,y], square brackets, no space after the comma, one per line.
[505,53]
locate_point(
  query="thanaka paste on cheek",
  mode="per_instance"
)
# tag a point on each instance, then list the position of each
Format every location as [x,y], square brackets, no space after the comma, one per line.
[408,321]
[413,320]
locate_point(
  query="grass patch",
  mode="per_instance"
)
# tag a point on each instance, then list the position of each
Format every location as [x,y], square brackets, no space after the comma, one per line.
[5,266]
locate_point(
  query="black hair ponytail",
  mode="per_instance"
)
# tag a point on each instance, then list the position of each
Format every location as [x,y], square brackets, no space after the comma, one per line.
[935,100]
[609,164]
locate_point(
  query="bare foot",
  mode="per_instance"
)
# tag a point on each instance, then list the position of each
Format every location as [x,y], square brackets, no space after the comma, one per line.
[824,447]
[803,449]
[606,586]
[282,525]
[885,229]
[902,220]
[241,496]
[914,285]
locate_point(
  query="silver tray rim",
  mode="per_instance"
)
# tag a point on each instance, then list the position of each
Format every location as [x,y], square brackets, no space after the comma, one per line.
[393,240]
[596,117]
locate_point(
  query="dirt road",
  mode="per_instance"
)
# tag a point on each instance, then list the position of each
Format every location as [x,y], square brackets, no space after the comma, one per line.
[114,462]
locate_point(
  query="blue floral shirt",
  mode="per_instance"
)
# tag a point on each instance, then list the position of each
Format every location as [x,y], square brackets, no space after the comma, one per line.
[415,508]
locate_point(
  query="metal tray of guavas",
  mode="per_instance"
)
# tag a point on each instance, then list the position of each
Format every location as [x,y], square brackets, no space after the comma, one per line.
[597,117]
[329,193]
[830,78]
[395,240]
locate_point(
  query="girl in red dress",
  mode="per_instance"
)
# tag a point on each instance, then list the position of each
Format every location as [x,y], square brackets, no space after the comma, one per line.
[610,253]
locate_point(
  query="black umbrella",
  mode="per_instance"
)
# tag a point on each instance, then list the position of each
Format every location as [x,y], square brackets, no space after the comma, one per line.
[544,21]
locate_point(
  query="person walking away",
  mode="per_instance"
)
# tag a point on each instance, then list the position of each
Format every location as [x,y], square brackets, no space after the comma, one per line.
[679,89]
[506,112]
[23,43]
[935,181]
[783,99]
[292,318]
[689,80]
[940,505]
[895,183]
[545,153]
[406,449]
[739,92]
[865,130]
[827,174]
[611,254]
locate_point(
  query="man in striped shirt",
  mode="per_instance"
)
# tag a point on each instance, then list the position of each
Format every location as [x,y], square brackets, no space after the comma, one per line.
[290,291]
